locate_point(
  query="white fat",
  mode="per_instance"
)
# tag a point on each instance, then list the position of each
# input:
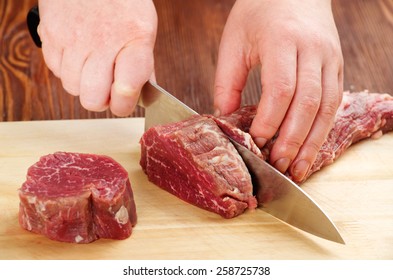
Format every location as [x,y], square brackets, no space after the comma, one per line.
[247,137]
[235,190]
[29,227]
[214,160]
[31,199]
[376,134]
[41,206]
[78,238]
[121,215]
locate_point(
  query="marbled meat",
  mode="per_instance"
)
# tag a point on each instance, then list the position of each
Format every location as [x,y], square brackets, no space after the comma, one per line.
[78,198]
[195,161]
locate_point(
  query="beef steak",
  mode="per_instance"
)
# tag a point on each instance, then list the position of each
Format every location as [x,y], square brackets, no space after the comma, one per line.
[74,197]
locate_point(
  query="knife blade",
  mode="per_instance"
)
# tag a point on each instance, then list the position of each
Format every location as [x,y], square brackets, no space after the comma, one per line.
[161,107]
[290,205]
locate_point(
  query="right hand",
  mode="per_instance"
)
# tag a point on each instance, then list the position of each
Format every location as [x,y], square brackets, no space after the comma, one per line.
[102,50]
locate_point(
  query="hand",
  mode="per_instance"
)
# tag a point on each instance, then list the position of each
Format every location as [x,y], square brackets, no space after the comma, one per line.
[297,45]
[102,50]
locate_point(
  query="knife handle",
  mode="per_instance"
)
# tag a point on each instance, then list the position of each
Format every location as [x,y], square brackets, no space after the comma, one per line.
[33,20]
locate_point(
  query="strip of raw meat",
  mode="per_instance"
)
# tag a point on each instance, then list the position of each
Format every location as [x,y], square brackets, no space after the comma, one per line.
[74,197]
[196,162]
[237,126]
[361,115]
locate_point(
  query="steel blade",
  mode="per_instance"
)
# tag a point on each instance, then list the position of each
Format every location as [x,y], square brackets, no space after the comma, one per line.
[290,203]
[161,107]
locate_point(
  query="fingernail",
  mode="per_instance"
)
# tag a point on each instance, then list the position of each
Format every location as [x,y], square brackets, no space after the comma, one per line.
[282,164]
[260,141]
[217,112]
[300,169]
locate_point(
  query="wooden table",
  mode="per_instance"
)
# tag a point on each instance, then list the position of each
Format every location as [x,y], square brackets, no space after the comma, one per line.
[356,192]
[186,55]
[360,203]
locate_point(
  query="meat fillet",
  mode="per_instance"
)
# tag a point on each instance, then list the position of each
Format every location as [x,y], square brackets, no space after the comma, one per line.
[74,197]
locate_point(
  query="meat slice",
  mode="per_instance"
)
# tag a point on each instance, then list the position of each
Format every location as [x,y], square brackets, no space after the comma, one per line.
[195,161]
[74,197]
[237,126]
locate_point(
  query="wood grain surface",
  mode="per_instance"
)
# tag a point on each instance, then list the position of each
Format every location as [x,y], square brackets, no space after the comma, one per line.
[185,56]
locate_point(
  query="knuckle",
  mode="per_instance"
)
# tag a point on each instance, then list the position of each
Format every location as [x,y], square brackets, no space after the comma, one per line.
[312,147]
[288,145]
[261,127]
[282,89]
[332,49]
[287,30]
[310,102]
[316,41]
[331,102]
[292,143]
[328,110]
[142,30]
[270,127]
[219,90]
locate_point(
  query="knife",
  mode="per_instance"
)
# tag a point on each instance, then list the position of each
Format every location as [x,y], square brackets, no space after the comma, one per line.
[293,206]
[161,107]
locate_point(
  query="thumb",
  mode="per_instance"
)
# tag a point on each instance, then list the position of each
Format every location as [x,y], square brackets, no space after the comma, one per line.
[231,75]
[133,68]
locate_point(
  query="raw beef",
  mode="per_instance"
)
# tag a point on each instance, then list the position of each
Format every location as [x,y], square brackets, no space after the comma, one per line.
[361,115]
[170,152]
[74,197]
[195,161]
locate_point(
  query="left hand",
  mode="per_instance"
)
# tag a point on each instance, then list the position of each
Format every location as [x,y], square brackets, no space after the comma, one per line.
[298,47]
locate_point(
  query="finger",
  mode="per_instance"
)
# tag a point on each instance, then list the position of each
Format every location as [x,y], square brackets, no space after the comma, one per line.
[153,77]
[231,75]
[278,77]
[52,57]
[71,69]
[330,101]
[134,66]
[96,80]
[301,114]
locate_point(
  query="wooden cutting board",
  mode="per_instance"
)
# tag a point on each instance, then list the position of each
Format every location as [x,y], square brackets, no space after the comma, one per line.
[356,192]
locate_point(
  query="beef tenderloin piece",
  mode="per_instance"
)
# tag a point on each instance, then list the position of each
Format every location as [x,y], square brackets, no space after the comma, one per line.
[78,198]
[195,161]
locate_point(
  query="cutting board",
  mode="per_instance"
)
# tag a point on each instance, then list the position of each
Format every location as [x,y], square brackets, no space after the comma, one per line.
[356,192]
